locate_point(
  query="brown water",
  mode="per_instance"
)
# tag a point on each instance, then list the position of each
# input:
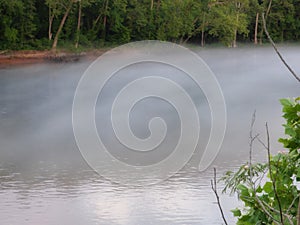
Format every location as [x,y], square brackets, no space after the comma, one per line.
[44,180]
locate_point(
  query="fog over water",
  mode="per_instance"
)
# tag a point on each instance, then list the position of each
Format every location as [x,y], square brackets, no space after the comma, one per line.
[44,179]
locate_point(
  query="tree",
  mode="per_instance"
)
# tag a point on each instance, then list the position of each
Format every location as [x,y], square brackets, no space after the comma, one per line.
[179,19]
[55,9]
[228,19]
[117,29]
[27,22]
[67,5]
[17,22]
[78,23]
[138,18]
[81,5]
[276,200]
[9,11]
[281,20]
[23,22]
[204,23]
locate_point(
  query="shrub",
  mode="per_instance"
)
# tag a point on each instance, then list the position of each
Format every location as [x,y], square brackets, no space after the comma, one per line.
[269,190]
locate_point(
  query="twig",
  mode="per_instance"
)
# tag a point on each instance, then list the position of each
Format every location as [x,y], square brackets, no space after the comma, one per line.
[251,143]
[214,188]
[291,205]
[263,205]
[271,174]
[276,50]
[266,211]
[262,143]
[262,177]
[286,214]
[252,139]
[277,211]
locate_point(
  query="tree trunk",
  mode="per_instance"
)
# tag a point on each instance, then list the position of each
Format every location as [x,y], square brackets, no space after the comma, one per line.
[234,39]
[51,17]
[235,32]
[181,40]
[158,5]
[62,22]
[256,27]
[267,13]
[268,10]
[202,31]
[78,24]
[261,36]
[152,3]
[105,20]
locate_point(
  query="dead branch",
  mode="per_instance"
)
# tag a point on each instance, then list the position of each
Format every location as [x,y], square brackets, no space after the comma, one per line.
[262,205]
[276,50]
[272,178]
[278,212]
[214,188]
[251,143]
[252,139]
[291,205]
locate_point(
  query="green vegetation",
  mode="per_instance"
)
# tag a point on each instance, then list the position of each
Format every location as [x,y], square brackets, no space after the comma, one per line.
[45,24]
[268,190]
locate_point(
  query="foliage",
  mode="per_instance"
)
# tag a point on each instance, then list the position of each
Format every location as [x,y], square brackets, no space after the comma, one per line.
[291,110]
[228,19]
[178,19]
[27,23]
[17,23]
[268,190]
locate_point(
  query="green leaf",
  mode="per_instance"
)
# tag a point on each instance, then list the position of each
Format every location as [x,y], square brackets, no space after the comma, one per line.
[259,189]
[236,212]
[286,102]
[243,189]
[290,131]
[268,188]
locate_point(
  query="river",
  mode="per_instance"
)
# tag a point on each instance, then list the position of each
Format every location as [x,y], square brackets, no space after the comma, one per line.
[45,180]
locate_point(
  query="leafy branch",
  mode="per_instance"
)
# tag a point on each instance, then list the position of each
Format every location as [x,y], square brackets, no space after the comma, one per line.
[268,190]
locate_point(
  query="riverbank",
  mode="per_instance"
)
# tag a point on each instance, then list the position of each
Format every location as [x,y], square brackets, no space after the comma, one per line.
[14,58]
[10,58]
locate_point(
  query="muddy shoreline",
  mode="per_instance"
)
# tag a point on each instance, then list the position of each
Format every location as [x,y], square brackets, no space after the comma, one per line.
[16,58]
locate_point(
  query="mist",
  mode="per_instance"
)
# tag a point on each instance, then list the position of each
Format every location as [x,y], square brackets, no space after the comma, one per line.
[36,102]
[40,162]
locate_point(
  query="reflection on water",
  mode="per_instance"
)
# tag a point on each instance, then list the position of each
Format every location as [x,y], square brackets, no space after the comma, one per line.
[71,196]
[44,180]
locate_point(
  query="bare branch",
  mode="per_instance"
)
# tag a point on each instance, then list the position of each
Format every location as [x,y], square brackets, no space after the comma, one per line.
[262,143]
[252,139]
[277,211]
[251,144]
[266,211]
[291,205]
[276,50]
[272,178]
[214,188]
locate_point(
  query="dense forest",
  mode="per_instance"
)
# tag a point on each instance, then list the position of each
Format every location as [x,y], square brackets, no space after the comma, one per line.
[44,24]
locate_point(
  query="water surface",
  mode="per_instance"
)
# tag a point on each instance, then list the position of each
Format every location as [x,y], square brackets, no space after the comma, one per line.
[44,179]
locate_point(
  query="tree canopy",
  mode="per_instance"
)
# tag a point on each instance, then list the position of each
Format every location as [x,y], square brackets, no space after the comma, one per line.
[35,24]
